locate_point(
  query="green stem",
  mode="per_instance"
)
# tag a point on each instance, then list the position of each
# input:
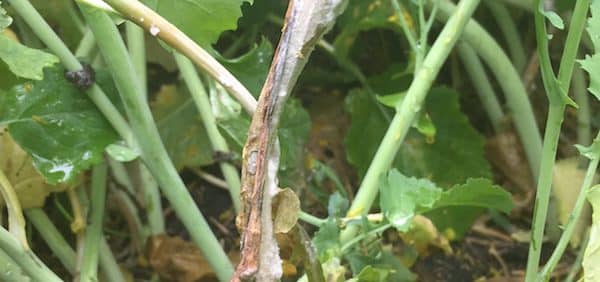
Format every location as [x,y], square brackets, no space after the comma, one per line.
[93,232]
[153,152]
[53,238]
[482,85]
[86,45]
[16,221]
[58,47]
[510,82]
[357,239]
[410,37]
[573,219]
[584,116]
[576,265]
[510,33]
[149,188]
[555,90]
[198,92]
[311,219]
[108,264]
[407,109]
[10,270]
[28,261]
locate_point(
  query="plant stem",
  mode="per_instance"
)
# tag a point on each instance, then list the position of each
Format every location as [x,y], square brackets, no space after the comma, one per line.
[509,31]
[407,109]
[311,219]
[10,270]
[510,82]
[576,265]
[16,221]
[86,44]
[28,261]
[584,117]
[573,219]
[558,99]
[161,28]
[108,264]
[58,47]
[198,92]
[408,33]
[148,187]
[482,85]
[55,241]
[93,233]
[152,150]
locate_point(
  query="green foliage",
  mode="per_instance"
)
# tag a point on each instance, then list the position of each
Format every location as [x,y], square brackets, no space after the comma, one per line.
[591,257]
[476,192]
[337,206]
[57,124]
[327,240]
[202,20]
[454,155]
[251,68]
[403,197]
[378,266]
[182,132]
[591,64]
[590,152]
[23,61]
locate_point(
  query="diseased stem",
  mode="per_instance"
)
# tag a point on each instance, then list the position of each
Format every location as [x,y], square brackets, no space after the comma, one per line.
[558,99]
[26,259]
[573,218]
[58,47]
[93,232]
[406,111]
[161,28]
[482,85]
[152,150]
[55,241]
[198,92]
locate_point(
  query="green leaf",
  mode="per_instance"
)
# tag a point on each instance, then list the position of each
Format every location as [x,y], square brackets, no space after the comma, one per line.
[402,197]
[337,206]
[252,68]
[24,61]
[423,122]
[591,257]
[372,274]
[455,154]
[382,260]
[591,152]
[202,20]
[180,128]
[122,153]
[327,240]
[57,124]
[554,19]
[477,192]
[591,64]
[5,19]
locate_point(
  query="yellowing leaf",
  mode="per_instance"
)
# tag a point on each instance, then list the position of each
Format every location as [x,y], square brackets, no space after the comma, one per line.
[591,257]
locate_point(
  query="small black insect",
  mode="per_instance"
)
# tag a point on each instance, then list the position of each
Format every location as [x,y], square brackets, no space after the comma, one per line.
[83,78]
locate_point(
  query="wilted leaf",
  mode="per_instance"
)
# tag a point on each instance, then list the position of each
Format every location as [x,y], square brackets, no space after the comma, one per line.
[57,125]
[24,61]
[566,186]
[591,64]
[402,197]
[201,20]
[286,207]
[591,257]
[177,260]
[423,234]
[180,127]
[29,185]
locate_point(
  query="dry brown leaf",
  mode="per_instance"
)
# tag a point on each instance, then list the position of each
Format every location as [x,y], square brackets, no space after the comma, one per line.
[423,234]
[286,207]
[177,260]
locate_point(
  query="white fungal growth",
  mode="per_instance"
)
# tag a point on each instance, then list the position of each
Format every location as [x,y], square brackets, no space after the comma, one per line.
[154,30]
